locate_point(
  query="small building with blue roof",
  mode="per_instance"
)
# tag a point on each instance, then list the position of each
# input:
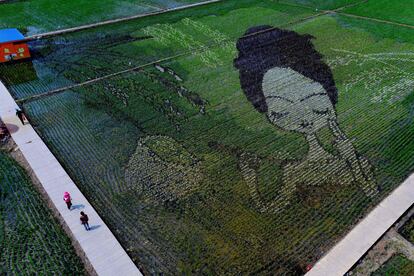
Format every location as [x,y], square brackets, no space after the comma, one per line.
[12,45]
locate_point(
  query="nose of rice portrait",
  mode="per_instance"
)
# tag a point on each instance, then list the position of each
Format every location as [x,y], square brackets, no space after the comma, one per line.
[284,77]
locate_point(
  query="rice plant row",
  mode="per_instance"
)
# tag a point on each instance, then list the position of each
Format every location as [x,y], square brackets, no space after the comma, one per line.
[34,16]
[396,265]
[31,240]
[408,230]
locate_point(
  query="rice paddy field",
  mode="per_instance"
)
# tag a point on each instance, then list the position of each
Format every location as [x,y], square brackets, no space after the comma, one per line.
[408,230]
[31,240]
[322,4]
[397,265]
[37,16]
[244,137]
[396,11]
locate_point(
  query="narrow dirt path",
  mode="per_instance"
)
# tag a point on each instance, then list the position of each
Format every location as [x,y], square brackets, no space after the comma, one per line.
[374,19]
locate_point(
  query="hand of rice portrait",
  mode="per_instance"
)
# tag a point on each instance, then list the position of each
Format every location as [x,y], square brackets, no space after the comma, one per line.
[284,77]
[162,170]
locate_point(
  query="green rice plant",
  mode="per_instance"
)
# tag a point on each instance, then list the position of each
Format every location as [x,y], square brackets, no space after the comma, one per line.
[322,4]
[408,230]
[394,10]
[31,240]
[396,266]
[36,16]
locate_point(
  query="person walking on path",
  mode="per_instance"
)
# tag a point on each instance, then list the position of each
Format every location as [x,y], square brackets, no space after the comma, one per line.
[84,220]
[67,199]
[21,116]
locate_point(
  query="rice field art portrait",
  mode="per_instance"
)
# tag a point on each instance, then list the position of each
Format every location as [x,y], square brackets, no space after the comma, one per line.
[283,76]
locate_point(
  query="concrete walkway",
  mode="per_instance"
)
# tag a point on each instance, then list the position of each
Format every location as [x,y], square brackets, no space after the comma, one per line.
[366,233]
[101,248]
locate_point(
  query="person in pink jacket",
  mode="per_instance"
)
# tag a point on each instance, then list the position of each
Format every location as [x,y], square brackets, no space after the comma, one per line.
[67,199]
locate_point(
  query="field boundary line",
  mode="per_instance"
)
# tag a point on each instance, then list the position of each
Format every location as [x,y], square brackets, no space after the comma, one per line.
[342,257]
[118,20]
[339,11]
[101,249]
[136,68]
[316,9]
[374,19]
[63,89]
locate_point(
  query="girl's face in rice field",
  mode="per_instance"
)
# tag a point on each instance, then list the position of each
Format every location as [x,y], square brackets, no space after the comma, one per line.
[296,102]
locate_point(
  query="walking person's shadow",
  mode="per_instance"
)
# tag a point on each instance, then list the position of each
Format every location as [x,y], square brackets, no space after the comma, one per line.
[78,206]
[93,227]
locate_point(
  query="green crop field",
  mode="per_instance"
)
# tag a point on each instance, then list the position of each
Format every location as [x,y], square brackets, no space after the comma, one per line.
[244,137]
[408,230]
[397,266]
[31,240]
[392,10]
[37,16]
[321,4]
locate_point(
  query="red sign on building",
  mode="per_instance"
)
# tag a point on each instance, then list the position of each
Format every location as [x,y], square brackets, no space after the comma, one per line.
[12,46]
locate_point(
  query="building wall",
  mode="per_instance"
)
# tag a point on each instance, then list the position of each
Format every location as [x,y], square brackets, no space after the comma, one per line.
[15,50]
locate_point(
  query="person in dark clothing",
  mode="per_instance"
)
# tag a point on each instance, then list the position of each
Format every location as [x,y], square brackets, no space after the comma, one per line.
[84,220]
[21,116]
[4,133]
